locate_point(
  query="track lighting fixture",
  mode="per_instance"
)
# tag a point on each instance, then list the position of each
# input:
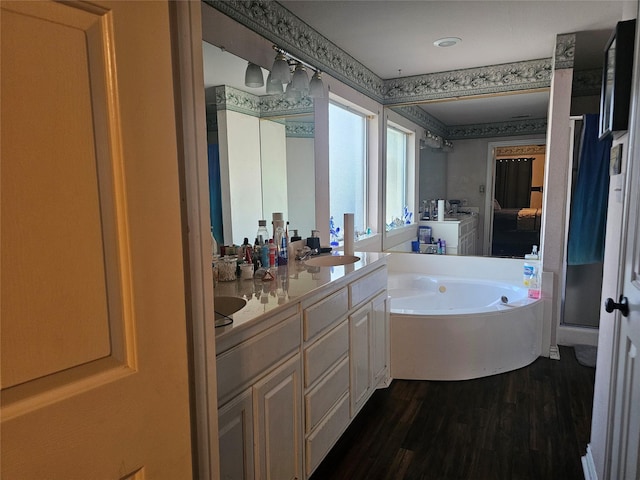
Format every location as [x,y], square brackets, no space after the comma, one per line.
[297,81]
[273,88]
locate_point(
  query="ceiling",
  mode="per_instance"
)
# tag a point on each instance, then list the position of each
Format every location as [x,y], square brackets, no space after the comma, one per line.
[394,38]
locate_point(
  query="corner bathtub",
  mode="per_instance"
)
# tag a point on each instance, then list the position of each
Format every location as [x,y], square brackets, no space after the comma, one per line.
[450,328]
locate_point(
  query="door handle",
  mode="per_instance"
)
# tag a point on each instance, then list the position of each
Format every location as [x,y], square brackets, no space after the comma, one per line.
[622,305]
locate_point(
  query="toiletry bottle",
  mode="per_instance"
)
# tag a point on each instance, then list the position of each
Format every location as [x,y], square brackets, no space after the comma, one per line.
[444,247]
[264,255]
[255,254]
[272,253]
[531,273]
[263,233]
[283,257]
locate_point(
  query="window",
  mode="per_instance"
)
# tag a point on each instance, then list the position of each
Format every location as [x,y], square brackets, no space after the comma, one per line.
[398,211]
[347,167]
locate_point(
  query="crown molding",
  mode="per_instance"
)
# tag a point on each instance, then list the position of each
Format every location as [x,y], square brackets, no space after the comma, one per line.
[565,51]
[501,129]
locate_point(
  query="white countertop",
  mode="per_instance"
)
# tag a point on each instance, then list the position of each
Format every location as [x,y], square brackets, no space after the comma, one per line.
[291,284]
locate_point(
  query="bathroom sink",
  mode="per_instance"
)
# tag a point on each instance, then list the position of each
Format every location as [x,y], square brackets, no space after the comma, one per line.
[331,260]
[226,306]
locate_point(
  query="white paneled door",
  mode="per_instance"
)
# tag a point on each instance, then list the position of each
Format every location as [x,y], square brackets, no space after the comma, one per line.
[93,345]
[625,441]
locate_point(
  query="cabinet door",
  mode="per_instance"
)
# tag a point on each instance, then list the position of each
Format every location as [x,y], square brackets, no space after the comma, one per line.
[379,336]
[235,431]
[360,381]
[278,409]
[94,368]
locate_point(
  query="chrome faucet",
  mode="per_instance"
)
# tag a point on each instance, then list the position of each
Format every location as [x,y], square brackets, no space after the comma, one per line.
[305,252]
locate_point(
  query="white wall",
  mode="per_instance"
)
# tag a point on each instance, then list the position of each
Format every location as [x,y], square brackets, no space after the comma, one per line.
[240,182]
[273,169]
[301,186]
[433,174]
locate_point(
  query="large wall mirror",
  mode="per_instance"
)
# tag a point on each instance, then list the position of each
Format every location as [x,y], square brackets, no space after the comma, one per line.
[261,151]
[466,172]
[511,128]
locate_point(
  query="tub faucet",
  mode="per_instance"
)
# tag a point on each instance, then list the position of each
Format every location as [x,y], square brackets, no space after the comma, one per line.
[305,252]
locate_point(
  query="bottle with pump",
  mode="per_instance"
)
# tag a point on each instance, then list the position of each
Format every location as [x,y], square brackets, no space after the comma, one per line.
[531,274]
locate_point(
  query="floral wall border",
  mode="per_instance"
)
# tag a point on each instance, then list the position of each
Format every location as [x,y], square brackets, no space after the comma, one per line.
[279,25]
[273,21]
[230,98]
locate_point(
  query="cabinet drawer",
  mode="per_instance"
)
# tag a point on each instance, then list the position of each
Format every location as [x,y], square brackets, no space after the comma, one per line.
[324,437]
[319,316]
[325,352]
[324,395]
[366,287]
[245,362]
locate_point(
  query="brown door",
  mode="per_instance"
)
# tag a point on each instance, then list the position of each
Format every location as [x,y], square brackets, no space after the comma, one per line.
[94,357]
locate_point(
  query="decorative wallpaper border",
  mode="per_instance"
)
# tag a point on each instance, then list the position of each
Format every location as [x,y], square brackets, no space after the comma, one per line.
[229,98]
[277,24]
[508,77]
[520,150]
[501,129]
[300,129]
[235,100]
[422,118]
[274,105]
[565,51]
[280,26]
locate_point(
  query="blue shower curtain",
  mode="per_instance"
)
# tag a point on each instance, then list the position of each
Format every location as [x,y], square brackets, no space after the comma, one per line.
[589,204]
[215,197]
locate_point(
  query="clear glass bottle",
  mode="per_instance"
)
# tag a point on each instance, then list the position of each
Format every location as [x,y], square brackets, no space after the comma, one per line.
[263,234]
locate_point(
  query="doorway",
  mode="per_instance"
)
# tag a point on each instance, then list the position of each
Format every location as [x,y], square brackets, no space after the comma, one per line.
[513,213]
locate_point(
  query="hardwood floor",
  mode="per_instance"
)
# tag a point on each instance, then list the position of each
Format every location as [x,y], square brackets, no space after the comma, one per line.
[533,423]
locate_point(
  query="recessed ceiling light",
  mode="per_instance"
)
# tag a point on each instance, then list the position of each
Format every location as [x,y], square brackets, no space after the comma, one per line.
[447,42]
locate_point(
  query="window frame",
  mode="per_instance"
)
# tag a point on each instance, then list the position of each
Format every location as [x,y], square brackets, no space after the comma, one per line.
[401,237]
[408,200]
[370,174]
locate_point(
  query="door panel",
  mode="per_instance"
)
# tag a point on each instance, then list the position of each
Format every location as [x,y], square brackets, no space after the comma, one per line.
[625,439]
[94,360]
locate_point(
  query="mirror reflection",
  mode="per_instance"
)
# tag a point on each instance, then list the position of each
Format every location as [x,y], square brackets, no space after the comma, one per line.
[261,156]
[464,174]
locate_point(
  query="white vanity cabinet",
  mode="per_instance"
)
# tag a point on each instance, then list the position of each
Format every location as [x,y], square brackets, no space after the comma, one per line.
[326,373]
[344,357]
[368,330]
[260,401]
[290,383]
[460,234]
